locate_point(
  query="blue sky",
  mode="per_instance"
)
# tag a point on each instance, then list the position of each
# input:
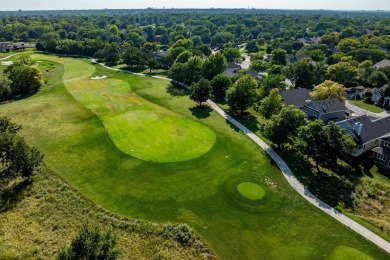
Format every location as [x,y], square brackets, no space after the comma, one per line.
[128,4]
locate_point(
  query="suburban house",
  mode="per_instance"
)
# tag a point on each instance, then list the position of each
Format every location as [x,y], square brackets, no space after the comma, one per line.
[325,110]
[160,54]
[255,75]
[291,58]
[376,96]
[382,64]
[367,132]
[381,155]
[354,93]
[310,41]
[232,68]
[10,46]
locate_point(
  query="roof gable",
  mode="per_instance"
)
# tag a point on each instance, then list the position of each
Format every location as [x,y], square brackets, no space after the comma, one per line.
[371,130]
[296,97]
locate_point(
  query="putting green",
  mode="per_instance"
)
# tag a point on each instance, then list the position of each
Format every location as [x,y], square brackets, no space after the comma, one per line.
[347,253]
[251,190]
[140,128]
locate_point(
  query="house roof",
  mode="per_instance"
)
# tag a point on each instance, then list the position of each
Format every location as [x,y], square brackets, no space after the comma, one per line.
[230,72]
[313,40]
[233,65]
[297,97]
[382,64]
[371,130]
[329,106]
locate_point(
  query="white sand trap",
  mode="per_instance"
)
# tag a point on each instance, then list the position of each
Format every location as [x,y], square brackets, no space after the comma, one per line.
[99,77]
[6,63]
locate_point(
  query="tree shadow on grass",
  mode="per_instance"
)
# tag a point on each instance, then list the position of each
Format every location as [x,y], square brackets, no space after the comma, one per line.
[11,196]
[331,188]
[201,112]
[248,120]
[175,89]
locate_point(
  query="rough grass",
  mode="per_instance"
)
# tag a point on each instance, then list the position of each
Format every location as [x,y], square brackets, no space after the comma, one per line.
[51,215]
[201,192]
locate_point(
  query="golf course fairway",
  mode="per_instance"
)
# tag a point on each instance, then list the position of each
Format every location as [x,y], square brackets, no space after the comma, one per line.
[186,165]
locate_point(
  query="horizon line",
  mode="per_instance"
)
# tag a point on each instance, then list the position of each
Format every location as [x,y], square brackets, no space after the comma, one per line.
[199,8]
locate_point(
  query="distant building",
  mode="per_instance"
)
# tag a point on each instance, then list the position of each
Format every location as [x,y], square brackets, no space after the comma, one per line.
[10,46]
[310,41]
[354,93]
[291,58]
[382,64]
[160,54]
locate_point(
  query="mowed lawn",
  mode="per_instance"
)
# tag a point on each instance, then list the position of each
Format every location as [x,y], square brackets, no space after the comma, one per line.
[201,192]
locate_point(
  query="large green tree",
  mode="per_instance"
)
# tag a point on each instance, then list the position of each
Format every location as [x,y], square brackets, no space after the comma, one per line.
[283,128]
[134,57]
[328,90]
[214,65]
[16,157]
[301,73]
[242,94]
[24,75]
[220,84]
[271,105]
[343,72]
[279,57]
[324,144]
[201,91]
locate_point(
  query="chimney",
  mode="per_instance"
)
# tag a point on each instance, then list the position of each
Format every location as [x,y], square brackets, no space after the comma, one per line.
[358,128]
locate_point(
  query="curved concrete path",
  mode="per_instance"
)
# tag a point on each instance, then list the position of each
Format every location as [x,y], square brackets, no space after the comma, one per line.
[5,58]
[287,173]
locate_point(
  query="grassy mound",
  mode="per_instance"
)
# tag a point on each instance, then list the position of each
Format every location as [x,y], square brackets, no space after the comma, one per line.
[347,253]
[251,190]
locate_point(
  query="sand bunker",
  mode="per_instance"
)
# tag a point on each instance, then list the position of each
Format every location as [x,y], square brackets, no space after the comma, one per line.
[6,63]
[99,77]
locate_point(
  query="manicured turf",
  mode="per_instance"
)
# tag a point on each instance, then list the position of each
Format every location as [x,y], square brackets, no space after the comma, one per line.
[366,106]
[251,190]
[140,128]
[348,253]
[201,192]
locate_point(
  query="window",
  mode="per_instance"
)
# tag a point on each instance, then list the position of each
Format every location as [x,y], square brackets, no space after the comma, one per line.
[381,157]
[387,144]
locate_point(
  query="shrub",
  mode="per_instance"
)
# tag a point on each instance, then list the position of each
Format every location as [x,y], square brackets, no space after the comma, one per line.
[183,234]
[93,242]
